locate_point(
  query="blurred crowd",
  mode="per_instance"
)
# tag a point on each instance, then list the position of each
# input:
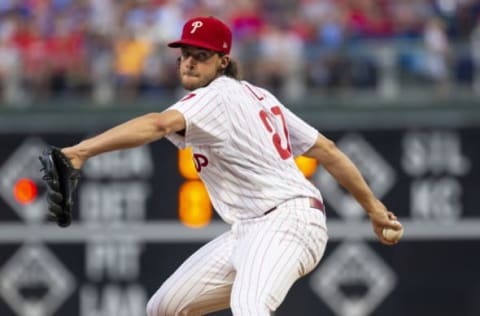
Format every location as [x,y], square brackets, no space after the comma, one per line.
[107,51]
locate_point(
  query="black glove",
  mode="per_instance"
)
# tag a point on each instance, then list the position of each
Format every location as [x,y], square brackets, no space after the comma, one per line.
[61,179]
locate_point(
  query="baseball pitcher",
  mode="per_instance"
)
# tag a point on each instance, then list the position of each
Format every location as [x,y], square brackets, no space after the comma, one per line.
[247,140]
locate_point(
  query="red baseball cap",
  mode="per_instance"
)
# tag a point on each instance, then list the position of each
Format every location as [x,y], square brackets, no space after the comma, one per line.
[206,32]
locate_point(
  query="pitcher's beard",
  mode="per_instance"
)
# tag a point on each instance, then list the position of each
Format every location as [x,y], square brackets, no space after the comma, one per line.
[191,85]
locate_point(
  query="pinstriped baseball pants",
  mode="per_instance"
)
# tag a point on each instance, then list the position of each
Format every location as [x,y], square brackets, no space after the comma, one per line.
[250,268]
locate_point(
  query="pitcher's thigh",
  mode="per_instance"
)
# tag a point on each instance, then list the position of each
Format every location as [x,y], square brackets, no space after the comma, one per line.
[201,284]
[264,277]
[272,259]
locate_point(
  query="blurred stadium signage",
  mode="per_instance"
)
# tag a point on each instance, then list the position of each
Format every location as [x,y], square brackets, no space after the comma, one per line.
[19,178]
[141,212]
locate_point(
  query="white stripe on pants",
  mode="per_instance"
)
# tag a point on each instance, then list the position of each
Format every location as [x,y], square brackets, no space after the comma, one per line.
[249,268]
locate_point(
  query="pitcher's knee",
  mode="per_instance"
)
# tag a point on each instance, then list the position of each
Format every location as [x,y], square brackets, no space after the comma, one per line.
[169,304]
[159,305]
[153,307]
[258,307]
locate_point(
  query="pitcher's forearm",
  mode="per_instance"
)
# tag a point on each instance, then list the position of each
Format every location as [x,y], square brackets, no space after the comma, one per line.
[348,175]
[133,133]
[136,132]
[343,170]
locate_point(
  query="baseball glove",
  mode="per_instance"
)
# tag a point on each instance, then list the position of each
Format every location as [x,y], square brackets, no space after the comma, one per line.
[61,179]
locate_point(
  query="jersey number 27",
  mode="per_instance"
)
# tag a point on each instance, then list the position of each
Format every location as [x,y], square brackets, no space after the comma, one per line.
[284,152]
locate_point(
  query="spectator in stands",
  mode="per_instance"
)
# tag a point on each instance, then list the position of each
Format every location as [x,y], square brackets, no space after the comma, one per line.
[408,18]
[327,56]
[369,18]
[280,61]
[10,67]
[315,33]
[247,23]
[437,57]
[66,52]
[131,54]
[34,59]
[102,18]
[100,57]
[475,53]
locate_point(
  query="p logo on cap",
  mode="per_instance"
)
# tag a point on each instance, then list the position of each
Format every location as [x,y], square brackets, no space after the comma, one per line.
[206,32]
[195,26]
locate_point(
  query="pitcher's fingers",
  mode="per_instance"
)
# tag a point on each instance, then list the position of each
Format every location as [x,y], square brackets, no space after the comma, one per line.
[391,216]
[395,224]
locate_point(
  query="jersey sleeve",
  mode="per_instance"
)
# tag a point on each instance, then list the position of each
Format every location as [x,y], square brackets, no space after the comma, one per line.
[302,135]
[177,139]
[205,119]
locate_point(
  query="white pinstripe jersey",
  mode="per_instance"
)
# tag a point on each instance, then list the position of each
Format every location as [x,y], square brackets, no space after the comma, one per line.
[244,142]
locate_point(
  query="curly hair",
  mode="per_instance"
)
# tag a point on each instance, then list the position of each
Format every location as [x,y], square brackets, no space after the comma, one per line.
[232,70]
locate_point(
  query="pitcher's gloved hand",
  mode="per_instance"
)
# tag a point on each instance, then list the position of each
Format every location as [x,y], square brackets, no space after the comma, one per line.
[61,179]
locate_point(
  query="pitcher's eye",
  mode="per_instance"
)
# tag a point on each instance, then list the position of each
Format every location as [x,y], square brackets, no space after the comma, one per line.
[197,56]
[201,56]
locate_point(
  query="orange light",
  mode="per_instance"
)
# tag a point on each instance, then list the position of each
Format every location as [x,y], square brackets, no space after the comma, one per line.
[186,165]
[194,208]
[25,191]
[306,165]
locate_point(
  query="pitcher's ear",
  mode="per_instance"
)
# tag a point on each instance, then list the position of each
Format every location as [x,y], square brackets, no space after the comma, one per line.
[225,61]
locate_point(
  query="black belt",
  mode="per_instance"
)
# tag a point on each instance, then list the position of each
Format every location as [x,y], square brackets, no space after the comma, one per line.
[314,203]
